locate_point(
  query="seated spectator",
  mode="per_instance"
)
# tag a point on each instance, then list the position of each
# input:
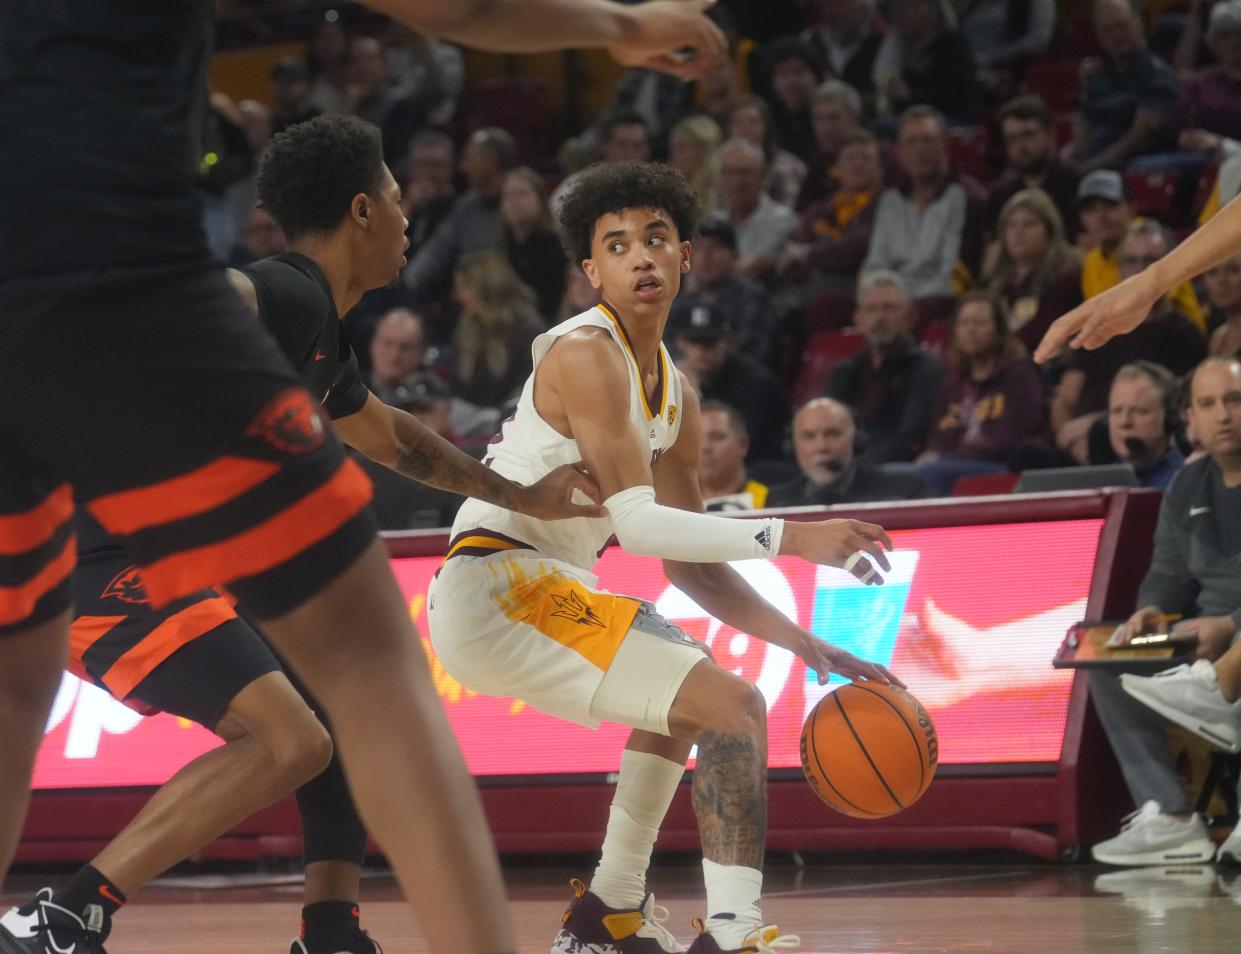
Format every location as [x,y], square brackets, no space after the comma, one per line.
[372,96]
[1142,419]
[498,323]
[743,303]
[692,147]
[751,120]
[1127,99]
[925,60]
[530,238]
[429,193]
[828,444]
[1209,102]
[927,226]
[1166,337]
[1026,126]
[721,461]
[398,349]
[832,240]
[1223,284]
[719,91]
[473,225]
[261,237]
[793,71]
[658,99]
[1192,575]
[623,136]
[1006,34]
[290,94]
[1036,271]
[708,356]
[1106,218]
[835,112]
[990,402]
[327,56]
[847,36]
[762,224]
[425,69]
[890,381]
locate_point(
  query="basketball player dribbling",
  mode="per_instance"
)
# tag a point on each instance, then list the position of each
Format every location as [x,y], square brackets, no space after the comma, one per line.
[515,610]
[144,391]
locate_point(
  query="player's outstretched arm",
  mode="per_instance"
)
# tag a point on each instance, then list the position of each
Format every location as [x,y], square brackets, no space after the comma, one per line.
[721,590]
[399,440]
[1121,309]
[656,34]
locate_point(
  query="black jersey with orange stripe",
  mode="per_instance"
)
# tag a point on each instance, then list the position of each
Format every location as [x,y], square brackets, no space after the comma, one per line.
[296,305]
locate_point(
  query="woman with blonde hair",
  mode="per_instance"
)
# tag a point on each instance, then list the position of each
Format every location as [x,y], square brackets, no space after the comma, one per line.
[1035,271]
[692,147]
[497,324]
[530,239]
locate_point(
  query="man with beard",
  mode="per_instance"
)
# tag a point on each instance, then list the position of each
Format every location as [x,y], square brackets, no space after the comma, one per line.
[826,442]
[1030,149]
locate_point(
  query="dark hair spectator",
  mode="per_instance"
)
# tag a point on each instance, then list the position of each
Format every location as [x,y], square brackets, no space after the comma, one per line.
[750,119]
[833,237]
[261,237]
[429,192]
[1006,34]
[722,474]
[847,35]
[828,442]
[1032,162]
[530,238]
[1127,98]
[929,229]
[1223,285]
[793,70]
[925,60]
[625,136]
[692,146]
[991,400]
[835,112]
[497,325]
[327,57]
[1036,272]
[291,95]
[889,381]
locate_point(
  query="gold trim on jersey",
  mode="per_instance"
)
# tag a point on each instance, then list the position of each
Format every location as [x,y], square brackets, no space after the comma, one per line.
[637,368]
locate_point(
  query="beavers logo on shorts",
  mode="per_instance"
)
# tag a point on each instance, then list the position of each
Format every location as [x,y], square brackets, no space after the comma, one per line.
[127,587]
[290,423]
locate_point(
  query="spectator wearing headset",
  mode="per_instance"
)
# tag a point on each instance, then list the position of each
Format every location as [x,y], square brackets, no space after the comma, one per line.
[1142,420]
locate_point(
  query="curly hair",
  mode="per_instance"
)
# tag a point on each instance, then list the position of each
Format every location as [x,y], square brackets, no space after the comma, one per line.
[615,186]
[311,171]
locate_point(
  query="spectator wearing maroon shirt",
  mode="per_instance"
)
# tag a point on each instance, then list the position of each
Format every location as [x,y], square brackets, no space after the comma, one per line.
[1210,105]
[835,112]
[1026,127]
[833,237]
[925,60]
[991,400]
[793,72]
[1036,272]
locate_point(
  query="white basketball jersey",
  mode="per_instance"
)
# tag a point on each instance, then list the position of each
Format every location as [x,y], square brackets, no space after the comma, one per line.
[528,448]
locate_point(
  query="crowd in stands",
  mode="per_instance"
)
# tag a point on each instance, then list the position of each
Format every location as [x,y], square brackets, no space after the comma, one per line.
[898,198]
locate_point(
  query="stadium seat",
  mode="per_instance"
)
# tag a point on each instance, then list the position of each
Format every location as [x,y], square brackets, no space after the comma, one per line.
[824,350]
[829,311]
[934,335]
[1153,194]
[1058,82]
[985,485]
[970,149]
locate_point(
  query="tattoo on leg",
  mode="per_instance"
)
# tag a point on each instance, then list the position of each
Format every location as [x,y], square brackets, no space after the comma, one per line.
[730,799]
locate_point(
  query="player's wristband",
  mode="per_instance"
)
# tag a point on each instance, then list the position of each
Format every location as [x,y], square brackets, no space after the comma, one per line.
[646,528]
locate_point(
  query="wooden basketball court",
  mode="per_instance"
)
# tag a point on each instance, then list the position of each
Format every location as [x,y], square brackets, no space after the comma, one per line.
[845,909]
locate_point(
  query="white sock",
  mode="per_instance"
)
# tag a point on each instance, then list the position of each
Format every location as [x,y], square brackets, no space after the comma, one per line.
[733,911]
[643,793]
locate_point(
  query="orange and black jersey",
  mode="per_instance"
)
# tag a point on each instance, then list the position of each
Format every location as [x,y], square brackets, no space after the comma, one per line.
[296,304]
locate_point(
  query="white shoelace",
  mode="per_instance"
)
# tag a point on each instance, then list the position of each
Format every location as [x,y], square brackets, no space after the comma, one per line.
[1133,818]
[654,916]
[780,942]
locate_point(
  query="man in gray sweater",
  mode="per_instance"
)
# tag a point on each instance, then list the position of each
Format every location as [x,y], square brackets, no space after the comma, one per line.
[1193,574]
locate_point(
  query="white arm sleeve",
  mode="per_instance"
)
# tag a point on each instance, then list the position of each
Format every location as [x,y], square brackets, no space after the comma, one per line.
[646,528]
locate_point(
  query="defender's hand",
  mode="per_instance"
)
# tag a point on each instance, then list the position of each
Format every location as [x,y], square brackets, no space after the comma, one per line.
[1095,322]
[849,544]
[672,36]
[824,658]
[552,497]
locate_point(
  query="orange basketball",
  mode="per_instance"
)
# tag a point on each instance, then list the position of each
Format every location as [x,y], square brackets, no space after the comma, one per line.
[869,750]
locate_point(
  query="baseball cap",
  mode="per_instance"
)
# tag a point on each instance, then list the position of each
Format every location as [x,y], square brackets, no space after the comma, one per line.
[1101,184]
[718,227]
[698,320]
